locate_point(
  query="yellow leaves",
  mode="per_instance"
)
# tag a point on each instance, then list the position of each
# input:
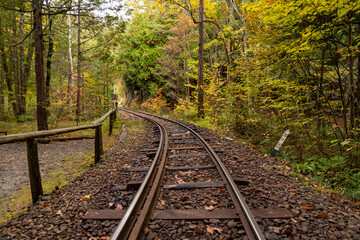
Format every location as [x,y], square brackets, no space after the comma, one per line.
[87,196]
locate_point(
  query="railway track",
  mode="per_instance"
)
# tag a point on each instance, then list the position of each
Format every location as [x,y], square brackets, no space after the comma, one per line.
[185,165]
[193,200]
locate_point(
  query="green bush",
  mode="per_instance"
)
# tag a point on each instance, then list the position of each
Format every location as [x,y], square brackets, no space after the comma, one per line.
[333,171]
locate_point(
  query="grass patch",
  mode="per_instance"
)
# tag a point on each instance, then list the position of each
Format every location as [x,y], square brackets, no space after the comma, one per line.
[69,168]
[17,202]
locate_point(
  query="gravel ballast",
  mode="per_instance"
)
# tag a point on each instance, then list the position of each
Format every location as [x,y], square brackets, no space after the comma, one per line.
[316,215]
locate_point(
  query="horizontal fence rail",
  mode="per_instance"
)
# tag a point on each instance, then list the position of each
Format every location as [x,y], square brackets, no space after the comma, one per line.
[32,149]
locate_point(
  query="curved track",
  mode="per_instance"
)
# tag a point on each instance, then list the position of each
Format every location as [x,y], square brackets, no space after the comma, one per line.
[134,224]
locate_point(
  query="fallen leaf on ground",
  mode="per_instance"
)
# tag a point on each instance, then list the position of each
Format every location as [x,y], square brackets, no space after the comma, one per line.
[111,204]
[133,175]
[213,201]
[162,202]
[119,207]
[210,208]
[211,229]
[321,215]
[87,196]
[305,206]
[275,229]
[287,229]
[59,212]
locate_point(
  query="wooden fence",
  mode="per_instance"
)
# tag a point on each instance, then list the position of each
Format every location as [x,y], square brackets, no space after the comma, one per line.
[32,152]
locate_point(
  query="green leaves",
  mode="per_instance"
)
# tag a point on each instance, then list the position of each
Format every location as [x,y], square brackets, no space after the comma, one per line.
[140,49]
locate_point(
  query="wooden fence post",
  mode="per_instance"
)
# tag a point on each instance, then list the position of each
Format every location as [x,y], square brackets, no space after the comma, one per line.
[98,143]
[111,123]
[34,170]
[116,106]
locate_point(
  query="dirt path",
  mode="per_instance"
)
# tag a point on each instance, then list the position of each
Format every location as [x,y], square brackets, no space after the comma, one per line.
[13,161]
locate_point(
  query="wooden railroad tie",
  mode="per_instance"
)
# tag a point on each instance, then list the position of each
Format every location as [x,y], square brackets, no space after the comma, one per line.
[193,214]
[135,184]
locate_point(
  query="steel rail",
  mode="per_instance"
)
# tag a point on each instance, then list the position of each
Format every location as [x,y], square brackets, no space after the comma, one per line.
[124,229]
[251,227]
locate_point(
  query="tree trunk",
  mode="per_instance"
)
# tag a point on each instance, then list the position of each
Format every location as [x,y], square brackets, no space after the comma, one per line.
[351,77]
[78,68]
[39,66]
[7,77]
[16,68]
[48,68]
[6,70]
[71,66]
[201,59]
[357,109]
[22,103]
[26,73]
[2,98]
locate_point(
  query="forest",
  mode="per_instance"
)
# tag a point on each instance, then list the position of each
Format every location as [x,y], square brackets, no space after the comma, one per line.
[268,66]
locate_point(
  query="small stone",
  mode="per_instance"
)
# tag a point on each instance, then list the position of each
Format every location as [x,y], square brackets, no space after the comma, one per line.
[213,220]
[146,231]
[192,226]
[151,236]
[185,198]
[200,229]
[154,226]
[342,223]
[231,224]
[271,236]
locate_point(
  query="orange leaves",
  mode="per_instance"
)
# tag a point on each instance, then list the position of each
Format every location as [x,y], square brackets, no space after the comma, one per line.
[306,207]
[133,175]
[321,216]
[211,229]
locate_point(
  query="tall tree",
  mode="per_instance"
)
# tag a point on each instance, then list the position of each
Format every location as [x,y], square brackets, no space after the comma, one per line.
[39,66]
[201,60]
[78,106]
[71,65]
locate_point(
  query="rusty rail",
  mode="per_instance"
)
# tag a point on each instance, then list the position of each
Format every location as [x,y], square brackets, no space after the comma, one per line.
[251,227]
[131,224]
[32,152]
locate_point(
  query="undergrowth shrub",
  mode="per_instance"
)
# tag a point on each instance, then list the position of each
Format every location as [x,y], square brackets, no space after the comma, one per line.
[156,104]
[334,172]
[186,110]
